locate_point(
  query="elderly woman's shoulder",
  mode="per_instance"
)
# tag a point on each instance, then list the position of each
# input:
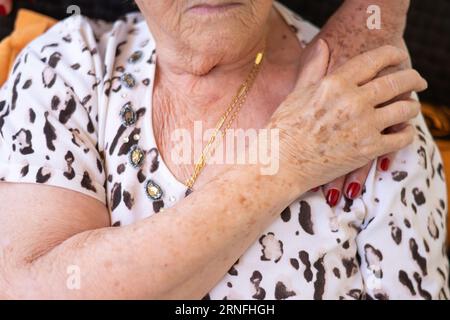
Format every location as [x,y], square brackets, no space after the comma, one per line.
[77,30]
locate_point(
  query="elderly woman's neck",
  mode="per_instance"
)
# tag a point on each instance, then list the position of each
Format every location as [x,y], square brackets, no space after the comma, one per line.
[184,66]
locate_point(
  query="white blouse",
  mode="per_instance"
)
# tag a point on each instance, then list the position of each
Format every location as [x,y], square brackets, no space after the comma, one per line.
[76,113]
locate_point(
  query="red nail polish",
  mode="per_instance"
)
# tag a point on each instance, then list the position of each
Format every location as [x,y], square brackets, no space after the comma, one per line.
[2,10]
[384,165]
[333,197]
[353,190]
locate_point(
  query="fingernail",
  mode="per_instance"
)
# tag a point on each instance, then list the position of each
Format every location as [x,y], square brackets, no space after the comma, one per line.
[2,10]
[353,190]
[333,197]
[384,165]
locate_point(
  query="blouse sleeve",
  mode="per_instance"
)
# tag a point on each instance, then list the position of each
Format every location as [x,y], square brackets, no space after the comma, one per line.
[49,113]
[402,241]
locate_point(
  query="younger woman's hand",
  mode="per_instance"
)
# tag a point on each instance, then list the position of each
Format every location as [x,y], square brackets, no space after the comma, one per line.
[330,126]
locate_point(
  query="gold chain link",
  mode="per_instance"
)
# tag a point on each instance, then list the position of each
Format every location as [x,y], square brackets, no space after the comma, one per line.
[223,125]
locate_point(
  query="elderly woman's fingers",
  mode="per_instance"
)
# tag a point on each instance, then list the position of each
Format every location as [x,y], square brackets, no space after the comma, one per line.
[366,66]
[393,142]
[5,7]
[333,191]
[388,87]
[314,64]
[396,113]
[354,182]
[384,162]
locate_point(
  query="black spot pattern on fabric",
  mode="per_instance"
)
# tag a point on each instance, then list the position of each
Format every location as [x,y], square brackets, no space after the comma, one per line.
[154,155]
[119,133]
[272,248]
[403,197]
[54,59]
[348,204]
[116,195]
[319,284]
[355,294]
[55,102]
[86,182]
[281,292]
[70,172]
[407,223]
[126,146]
[141,176]
[286,215]
[304,258]
[27,84]
[75,66]
[32,115]
[2,120]
[440,170]
[432,228]
[423,293]
[110,178]
[99,166]
[406,281]
[304,217]
[233,271]
[421,261]
[350,266]
[24,170]
[256,279]
[399,175]
[294,263]
[158,205]
[15,95]
[116,224]
[50,133]
[336,273]
[396,233]
[128,199]
[24,138]
[48,78]
[66,114]
[346,245]
[42,177]
[419,197]
[120,168]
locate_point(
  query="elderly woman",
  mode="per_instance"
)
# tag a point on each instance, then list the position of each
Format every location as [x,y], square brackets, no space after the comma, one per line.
[94,205]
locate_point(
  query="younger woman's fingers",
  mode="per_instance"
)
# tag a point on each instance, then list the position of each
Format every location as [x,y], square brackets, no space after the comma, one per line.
[386,88]
[355,181]
[397,113]
[333,191]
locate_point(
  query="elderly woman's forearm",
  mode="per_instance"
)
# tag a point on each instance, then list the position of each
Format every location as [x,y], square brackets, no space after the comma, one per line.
[210,227]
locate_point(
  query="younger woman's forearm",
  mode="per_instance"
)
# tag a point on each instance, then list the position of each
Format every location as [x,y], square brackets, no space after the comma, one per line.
[181,253]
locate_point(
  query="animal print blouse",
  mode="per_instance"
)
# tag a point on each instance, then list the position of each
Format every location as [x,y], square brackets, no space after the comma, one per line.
[76,114]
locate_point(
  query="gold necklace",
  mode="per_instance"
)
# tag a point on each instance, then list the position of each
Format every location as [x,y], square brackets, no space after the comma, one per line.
[223,125]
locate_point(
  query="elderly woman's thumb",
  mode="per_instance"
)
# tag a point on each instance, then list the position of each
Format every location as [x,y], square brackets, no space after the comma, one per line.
[314,64]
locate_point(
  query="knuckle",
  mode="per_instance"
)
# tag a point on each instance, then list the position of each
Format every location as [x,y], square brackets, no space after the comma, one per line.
[392,83]
[334,82]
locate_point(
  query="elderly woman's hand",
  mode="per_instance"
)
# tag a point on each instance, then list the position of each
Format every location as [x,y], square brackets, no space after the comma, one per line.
[5,7]
[352,15]
[330,125]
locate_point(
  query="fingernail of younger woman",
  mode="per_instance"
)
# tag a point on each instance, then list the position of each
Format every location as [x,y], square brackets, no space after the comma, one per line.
[333,197]
[2,10]
[384,165]
[353,190]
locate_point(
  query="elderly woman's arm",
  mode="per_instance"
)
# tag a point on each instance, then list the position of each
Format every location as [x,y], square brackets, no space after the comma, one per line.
[51,234]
